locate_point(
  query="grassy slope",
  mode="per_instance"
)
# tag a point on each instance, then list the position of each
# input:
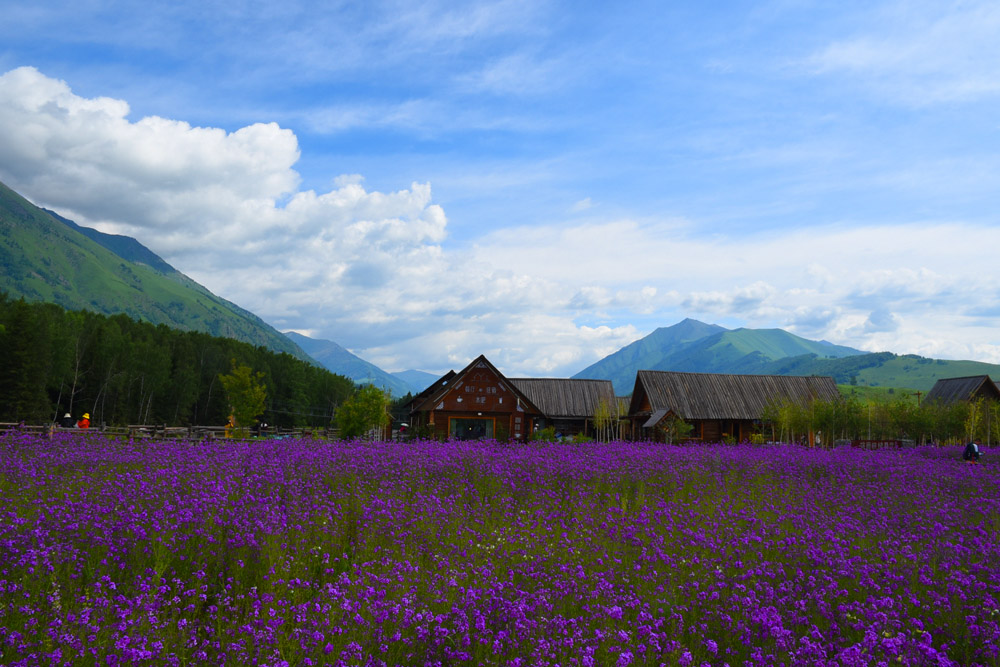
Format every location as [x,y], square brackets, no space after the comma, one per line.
[43,259]
[883,369]
[778,343]
[865,393]
[920,373]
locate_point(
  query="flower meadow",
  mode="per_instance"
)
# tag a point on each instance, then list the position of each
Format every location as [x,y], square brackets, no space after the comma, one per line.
[302,552]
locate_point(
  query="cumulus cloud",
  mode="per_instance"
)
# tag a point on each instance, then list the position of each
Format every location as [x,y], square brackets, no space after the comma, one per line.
[208,200]
[812,321]
[364,268]
[908,288]
[85,155]
[740,302]
[376,271]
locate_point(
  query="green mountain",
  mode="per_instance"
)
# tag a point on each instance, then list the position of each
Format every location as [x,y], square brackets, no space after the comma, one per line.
[696,347]
[46,258]
[646,353]
[745,351]
[335,358]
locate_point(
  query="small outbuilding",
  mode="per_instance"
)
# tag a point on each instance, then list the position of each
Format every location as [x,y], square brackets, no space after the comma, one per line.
[569,406]
[717,406]
[953,390]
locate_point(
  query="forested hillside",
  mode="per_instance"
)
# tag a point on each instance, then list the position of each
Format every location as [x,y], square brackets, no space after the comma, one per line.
[126,372]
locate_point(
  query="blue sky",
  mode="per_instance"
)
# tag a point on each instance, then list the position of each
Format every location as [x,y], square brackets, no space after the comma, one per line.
[542,182]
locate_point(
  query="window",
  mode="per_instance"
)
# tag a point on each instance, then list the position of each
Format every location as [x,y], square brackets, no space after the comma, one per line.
[470,428]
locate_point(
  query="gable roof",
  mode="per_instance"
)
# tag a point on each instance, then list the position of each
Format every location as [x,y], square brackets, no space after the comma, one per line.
[433,388]
[565,397]
[722,396]
[951,390]
[433,394]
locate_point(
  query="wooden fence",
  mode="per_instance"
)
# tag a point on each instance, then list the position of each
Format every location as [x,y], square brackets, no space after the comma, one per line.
[165,432]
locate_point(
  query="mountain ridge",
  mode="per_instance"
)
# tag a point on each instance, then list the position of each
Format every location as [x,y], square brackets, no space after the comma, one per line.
[46,257]
[125,247]
[771,352]
[336,358]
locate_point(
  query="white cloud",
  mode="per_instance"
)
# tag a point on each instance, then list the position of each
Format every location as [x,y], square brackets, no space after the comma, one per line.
[85,155]
[743,302]
[923,53]
[375,271]
[519,74]
[903,287]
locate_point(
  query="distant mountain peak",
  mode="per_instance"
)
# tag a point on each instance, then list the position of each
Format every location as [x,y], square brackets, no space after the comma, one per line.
[336,358]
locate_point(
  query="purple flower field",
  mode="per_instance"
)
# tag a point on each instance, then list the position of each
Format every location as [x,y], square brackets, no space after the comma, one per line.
[295,552]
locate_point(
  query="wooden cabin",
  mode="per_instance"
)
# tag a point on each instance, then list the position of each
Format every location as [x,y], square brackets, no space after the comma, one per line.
[953,390]
[717,406]
[477,402]
[568,405]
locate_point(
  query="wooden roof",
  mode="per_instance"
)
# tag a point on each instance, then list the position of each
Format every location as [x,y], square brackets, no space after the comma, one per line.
[720,396]
[566,398]
[430,396]
[951,390]
[434,388]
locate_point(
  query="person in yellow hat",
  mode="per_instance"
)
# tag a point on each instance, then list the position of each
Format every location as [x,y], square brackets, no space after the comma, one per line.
[84,421]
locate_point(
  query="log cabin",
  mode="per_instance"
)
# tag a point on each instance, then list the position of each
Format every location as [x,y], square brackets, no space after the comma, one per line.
[718,406]
[475,403]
